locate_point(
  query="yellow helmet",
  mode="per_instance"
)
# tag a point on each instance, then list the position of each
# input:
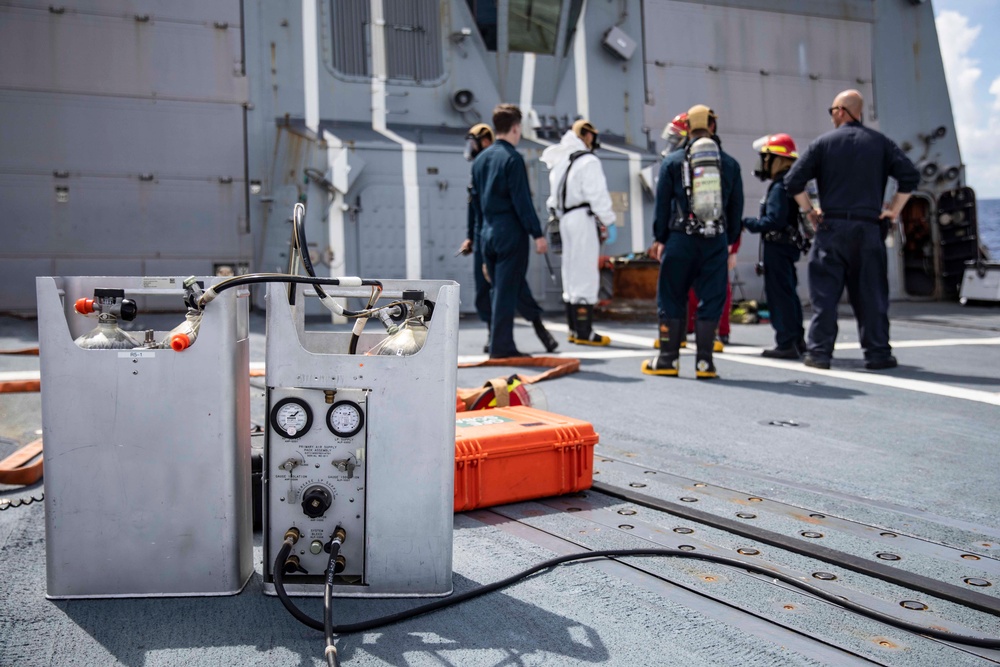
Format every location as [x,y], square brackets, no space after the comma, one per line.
[700,117]
[481,131]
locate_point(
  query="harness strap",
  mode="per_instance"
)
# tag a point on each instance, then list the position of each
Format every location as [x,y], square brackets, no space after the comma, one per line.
[563,183]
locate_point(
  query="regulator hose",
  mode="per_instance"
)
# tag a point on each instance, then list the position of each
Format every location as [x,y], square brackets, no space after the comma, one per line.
[257,278]
[331,571]
[301,245]
[982,642]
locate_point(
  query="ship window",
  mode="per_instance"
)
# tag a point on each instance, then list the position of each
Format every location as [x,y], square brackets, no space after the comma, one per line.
[533,25]
[485,14]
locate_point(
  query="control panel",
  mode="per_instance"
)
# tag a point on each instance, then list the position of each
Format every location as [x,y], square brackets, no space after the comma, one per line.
[315,479]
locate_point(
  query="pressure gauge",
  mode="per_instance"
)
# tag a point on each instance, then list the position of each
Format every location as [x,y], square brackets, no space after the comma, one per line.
[291,417]
[345,418]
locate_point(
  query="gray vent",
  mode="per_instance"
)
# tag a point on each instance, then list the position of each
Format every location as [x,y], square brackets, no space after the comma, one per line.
[413,40]
[350,21]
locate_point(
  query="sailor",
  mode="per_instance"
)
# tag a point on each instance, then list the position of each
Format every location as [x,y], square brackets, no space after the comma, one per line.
[503,200]
[479,138]
[778,226]
[851,165]
[699,202]
[676,136]
[579,199]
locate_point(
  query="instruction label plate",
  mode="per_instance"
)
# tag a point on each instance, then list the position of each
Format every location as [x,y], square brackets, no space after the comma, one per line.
[136,354]
[161,283]
[481,421]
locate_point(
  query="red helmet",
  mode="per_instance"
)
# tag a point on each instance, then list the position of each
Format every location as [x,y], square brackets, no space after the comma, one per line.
[677,127]
[676,132]
[776,144]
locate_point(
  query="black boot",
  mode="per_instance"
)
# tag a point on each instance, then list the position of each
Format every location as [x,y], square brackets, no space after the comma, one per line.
[668,361]
[704,336]
[543,335]
[584,328]
[570,320]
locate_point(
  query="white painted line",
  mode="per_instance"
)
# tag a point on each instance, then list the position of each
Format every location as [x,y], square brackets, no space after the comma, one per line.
[580,64]
[310,64]
[411,190]
[527,96]
[336,162]
[750,356]
[936,388]
[20,376]
[936,342]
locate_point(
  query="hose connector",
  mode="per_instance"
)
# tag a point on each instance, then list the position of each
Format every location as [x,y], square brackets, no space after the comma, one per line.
[293,535]
[339,537]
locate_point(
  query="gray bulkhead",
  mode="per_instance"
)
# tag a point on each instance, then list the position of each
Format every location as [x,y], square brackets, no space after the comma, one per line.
[440,77]
[171,138]
[122,141]
[775,66]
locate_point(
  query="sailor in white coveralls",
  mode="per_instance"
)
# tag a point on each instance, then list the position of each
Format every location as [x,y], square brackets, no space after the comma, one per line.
[579,198]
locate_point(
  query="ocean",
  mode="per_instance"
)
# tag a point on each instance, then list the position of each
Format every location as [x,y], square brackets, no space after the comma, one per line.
[989,225]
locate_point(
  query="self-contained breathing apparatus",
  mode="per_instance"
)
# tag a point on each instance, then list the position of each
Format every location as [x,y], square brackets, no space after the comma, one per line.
[768,148]
[702,178]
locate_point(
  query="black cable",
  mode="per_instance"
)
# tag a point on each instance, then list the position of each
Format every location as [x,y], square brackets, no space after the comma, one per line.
[331,571]
[279,587]
[300,243]
[253,279]
[982,642]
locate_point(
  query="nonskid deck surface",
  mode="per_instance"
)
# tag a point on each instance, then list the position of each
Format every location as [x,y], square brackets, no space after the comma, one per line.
[893,472]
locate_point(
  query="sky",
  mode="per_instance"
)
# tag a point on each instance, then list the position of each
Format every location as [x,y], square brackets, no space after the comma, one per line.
[969,35]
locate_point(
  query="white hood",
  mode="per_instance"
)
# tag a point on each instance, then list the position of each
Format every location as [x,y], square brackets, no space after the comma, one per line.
[569,144]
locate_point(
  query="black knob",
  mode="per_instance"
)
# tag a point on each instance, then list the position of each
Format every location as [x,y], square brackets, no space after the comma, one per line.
[316,501]
[129,310]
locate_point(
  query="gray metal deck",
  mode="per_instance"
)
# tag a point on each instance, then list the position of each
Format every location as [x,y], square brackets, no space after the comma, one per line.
[902,462]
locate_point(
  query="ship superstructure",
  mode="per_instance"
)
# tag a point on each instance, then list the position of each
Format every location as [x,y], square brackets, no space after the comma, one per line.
[159,138]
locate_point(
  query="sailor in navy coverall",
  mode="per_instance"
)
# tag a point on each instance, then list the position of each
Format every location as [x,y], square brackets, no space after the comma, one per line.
[480,138]
[778,226]
[851,165]
[503,200]
[688,259]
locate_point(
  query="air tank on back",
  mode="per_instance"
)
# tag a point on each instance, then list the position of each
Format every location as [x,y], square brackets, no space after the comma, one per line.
[706,183]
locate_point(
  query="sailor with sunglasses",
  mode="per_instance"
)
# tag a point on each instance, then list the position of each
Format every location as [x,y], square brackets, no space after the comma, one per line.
[851,165]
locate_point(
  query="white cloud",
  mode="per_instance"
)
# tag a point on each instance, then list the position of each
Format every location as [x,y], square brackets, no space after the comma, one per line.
[977,125]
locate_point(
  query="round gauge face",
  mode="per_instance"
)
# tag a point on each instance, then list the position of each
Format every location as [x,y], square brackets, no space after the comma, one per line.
[345,418]
[291,417]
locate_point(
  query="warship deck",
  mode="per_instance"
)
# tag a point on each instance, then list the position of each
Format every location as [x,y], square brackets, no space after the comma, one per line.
[885,484]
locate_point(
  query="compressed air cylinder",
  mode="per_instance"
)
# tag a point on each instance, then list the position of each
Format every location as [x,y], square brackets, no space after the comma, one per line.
[706,180]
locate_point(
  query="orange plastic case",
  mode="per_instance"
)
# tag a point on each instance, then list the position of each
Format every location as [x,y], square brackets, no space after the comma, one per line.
[506,455]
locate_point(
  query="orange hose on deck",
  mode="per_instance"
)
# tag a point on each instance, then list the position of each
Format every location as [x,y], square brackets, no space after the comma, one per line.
[17,469]
[19,386]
